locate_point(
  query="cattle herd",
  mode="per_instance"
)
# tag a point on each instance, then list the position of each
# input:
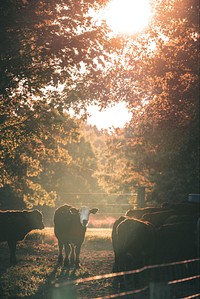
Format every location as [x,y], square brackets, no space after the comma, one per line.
[69,227]
[156,235]
[145,236]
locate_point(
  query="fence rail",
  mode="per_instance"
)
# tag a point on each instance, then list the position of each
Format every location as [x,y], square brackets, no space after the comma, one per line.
[177,279]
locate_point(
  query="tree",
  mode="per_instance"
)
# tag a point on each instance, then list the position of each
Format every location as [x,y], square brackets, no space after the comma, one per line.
[158,78]
[55,57]
[51,54]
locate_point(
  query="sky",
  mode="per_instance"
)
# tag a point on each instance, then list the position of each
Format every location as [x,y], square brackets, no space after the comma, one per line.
[112,117]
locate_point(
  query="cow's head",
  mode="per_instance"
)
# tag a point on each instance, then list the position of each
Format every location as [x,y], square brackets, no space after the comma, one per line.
[36,219]
[84,213]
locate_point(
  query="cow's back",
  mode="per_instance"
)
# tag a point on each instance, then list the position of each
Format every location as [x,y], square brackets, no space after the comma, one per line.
[176,242]
[158,218]
[138,213]
[62,220]
[15,225]
[114,231]
[136,239]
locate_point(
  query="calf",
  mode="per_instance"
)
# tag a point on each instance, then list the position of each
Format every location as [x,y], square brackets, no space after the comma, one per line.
[15,225]
[70,226]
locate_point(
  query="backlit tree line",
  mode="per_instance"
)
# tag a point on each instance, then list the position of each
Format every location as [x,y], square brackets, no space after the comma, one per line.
[54,58]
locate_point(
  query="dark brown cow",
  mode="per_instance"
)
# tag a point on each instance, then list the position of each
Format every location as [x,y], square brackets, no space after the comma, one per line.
[138,213]
[181,219]
[184,208]
[158,218]
[70,227]
[138,243]
[15,225]
[135,244]
[176,242]
[198,237]
[114,240]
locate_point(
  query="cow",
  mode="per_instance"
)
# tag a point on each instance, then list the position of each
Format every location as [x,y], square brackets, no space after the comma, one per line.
[15,225]
[158,218]
[70,226]
[135,243]
[114,240]
[176,242]
[198,237]
[181,219]
[138,213]
[184,208]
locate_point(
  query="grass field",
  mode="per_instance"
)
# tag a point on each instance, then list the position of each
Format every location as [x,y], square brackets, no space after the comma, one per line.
[37,271]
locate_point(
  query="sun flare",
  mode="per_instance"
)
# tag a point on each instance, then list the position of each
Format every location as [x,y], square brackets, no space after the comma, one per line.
[127,16]
[113,117]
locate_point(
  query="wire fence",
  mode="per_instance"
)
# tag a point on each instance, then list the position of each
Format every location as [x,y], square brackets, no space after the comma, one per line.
[163,281]
[107,214]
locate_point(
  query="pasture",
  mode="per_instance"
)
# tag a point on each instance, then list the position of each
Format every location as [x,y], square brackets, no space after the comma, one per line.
[37,272]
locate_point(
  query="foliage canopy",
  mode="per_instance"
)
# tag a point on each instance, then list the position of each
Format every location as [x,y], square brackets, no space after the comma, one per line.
[54,57]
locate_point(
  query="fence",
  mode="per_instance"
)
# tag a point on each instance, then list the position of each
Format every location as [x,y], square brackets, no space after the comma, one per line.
[165,281]
[105,217]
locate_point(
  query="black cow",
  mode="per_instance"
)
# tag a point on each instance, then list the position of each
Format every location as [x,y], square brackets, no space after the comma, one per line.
[184,208]
[181,219]
[15,225]
[70,227]
[135,244]
[114,240]
[176,242]
[138,213]
[158,218]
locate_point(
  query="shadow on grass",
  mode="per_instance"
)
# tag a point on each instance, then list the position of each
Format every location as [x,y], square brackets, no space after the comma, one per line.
[37,274]
[57,284]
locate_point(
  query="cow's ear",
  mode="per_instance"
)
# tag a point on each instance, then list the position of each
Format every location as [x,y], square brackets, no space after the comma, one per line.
[36,212]
[74,211]
[94,211]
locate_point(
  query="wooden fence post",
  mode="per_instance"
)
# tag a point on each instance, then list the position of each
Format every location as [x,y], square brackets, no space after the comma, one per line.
[141,197]
[158,290]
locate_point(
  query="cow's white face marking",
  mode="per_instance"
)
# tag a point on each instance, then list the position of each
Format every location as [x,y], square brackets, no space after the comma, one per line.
[84,213]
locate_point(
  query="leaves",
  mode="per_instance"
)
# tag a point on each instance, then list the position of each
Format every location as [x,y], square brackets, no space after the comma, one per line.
[54,57]
[158,78]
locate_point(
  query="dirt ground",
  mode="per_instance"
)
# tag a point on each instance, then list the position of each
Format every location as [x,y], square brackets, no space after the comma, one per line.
[95,263]
[37,275]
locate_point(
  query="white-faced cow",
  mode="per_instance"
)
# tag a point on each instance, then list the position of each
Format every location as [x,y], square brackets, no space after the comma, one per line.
[15,225]
[70,225]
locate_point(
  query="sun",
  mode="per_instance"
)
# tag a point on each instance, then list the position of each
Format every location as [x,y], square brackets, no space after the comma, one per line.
[127,16]
[112,117]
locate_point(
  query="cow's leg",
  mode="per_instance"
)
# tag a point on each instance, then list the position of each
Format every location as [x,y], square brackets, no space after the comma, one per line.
[115,269]
[115,265]
[121,267]
[72,256]
[77,260]
[60,256]
[12,247]
[67,252]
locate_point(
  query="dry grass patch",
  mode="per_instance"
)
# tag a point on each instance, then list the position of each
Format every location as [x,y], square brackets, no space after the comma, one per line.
[37,271]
